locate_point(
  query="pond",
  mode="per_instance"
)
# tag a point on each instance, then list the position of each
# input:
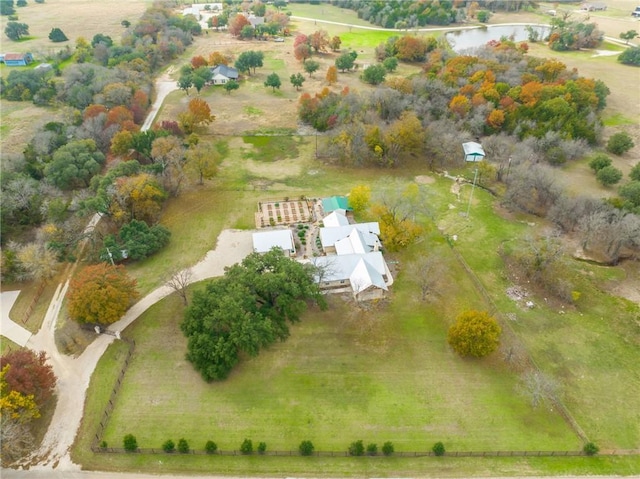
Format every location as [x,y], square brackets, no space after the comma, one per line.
[462,40]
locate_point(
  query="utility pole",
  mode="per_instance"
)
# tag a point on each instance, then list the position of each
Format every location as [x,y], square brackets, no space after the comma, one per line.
[475,177]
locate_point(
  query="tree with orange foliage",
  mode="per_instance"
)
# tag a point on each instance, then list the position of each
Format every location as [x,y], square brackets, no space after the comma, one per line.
[93,111]
[530,93]
[495,119]
[139,105]
[100,294]
[460,105]
[198,113]
[198,61]
[138,197]
[237,23]
[319,41]
[217,58]
[118,115]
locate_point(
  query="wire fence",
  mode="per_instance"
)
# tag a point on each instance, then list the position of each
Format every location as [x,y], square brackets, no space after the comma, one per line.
[511,337]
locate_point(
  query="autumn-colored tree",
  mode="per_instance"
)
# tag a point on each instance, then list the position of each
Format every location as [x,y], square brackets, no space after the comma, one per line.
[29,374]
[237,23]
[118,115]
[198,61]
[100,294]
[121,143]
[413,49]
[332,75]
[474,333]
[137,197]
[530,93]
[319,41]
[460,105]
[302,52]
[198,113]
[217,58]
[405,135]
[93,111]
[139,105]
[495,119]
[38,262]
[335,43]
[14,405]
[202,161]
[359,198]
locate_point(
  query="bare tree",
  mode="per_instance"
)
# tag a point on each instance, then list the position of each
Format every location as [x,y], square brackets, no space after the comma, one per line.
[539,387]
[179,282]
[16,440]
[427,270]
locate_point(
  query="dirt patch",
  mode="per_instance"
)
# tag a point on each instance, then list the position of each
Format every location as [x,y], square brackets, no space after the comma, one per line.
[425,180]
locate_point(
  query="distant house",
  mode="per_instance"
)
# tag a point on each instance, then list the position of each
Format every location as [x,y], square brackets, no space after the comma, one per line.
[17,59]
[367,276]
[335,203]
[255,21]
[593,6]
[356,238]
[267,240]
[222,74]
[44,67]
[473,151]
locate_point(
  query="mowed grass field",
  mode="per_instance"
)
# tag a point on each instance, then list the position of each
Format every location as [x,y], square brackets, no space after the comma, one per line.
[386,373]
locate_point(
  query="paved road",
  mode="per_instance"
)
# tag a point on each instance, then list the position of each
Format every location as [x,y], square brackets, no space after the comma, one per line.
[8,328]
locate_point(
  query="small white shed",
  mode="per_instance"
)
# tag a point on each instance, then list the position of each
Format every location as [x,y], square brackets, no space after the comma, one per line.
[473,151]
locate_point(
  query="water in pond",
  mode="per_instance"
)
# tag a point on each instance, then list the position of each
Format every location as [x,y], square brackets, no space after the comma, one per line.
[461,40]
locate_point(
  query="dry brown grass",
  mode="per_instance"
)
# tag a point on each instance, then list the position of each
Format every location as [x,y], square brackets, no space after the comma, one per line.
[76,18]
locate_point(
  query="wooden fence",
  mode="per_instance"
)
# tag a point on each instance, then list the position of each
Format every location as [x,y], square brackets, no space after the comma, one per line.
[112,399]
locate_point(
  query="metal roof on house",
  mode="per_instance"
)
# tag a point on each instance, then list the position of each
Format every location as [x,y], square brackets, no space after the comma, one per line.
[370,231]
[335,203]
[362,270]
[335,218]
[266,240]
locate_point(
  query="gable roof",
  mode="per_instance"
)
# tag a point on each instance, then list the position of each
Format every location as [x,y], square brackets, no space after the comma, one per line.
[362,270]
[370,231]
[335,218]
[334,203]
[354,243]
[226,71]
[266,240]
[473,149]
[16,56]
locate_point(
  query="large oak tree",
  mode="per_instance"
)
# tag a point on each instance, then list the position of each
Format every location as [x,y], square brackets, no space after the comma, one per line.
[247,309]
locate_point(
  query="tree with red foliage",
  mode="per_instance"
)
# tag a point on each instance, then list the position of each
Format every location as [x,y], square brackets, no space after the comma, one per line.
[28,374]
[237,23]
[119,115]
[93,111]
[198,61]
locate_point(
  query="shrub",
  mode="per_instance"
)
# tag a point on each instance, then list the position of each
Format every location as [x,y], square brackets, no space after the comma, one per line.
[634,174]
[372,449]
[210,447]
[590,449]
[130,443]
[620,143]
[306,448]
[56,35]
[183,446]
[103,444]
[356,448]
[609,175]
[262,447]
[599,161]
[483,16]
[438,448]
[169,446]
[246,447]
[387,448]
[475,333]
[631,56]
